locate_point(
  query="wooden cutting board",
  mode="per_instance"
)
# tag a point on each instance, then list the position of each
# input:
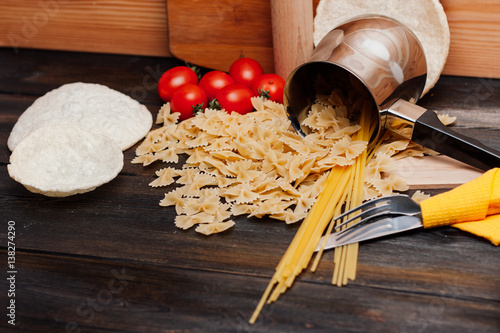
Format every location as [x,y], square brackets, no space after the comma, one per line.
[434,172]
[214,33]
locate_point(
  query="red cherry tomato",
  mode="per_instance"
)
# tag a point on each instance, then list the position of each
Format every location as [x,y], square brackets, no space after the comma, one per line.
[269,86]
[214,81]
[245,71]
[235,97]
[173,79]
[188,100]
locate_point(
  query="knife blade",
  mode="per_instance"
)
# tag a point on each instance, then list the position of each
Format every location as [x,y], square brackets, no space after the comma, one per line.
[379,228]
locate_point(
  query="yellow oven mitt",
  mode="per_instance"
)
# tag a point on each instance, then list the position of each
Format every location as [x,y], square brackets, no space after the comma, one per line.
[472,207]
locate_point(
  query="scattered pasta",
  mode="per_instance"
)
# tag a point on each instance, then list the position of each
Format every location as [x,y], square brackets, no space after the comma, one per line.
[257,165]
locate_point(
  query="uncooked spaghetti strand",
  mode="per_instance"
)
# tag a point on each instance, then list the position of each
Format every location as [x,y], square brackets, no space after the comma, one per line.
[337,211]
[283,268]
[262,301]
[346,260]
[339,252]
[314,227]
[302,234]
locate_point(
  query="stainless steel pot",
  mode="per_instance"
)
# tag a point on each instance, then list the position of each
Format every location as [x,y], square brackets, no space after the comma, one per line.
[384,63]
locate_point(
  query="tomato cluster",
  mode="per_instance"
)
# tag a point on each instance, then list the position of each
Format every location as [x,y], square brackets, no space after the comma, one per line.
[231,91]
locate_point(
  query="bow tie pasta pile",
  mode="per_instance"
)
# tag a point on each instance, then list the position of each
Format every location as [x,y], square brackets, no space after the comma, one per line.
[255,164]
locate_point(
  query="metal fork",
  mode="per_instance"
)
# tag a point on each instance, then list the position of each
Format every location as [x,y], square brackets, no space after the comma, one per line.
[378,217]
[397,204]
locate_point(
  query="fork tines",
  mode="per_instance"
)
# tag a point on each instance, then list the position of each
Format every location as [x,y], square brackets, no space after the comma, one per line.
[369,210]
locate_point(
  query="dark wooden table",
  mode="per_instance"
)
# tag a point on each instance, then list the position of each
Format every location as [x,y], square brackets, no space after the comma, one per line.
[112,260]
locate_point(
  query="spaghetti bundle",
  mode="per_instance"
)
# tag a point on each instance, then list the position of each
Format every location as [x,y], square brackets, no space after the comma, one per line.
[346,187]
[343,189]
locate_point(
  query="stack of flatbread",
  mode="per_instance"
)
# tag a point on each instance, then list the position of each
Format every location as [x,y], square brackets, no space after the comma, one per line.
[70,140]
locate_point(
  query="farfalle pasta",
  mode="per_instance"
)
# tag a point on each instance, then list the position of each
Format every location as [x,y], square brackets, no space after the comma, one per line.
[255,164]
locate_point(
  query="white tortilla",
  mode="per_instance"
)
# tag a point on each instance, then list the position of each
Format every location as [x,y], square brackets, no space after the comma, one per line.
[87,105]
[425,18]
[60,161]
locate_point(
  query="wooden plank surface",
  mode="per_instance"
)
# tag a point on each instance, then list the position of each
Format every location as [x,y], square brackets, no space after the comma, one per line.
[212,33]
[475,37]
[434,172]
[109,26]
[112,259]
[225,29]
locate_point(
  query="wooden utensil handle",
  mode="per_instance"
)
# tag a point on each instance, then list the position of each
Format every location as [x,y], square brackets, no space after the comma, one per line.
[292,23]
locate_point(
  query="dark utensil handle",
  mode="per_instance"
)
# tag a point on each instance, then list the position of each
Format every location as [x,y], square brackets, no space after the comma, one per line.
[431,133]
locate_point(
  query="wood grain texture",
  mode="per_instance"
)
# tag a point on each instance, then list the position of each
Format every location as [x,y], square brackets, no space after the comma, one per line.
[225,30]
[215,33]
[154,298]
[212,33]
[112,260]
[475,38]
[474,28]
[109,26]
[292,30]
[446,172]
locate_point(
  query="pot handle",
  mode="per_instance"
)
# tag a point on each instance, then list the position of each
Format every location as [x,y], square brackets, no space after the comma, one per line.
[431,133]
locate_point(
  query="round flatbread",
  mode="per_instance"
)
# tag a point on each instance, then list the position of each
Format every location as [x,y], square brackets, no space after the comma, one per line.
[60,161]
[87,105]
[426,18]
